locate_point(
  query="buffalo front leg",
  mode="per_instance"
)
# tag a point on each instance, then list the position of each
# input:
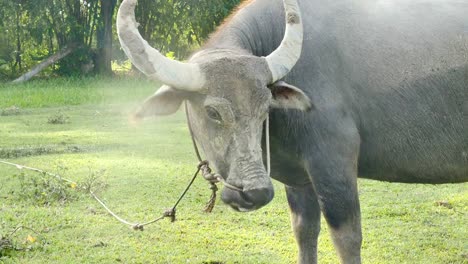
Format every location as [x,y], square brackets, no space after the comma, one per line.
[305,221]
[332,167]
[343,218]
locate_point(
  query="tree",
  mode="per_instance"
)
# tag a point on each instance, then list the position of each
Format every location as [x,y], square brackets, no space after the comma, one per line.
[104,36]
[180,25]
[34,30]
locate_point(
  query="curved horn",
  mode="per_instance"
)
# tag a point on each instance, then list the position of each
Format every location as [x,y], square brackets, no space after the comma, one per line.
[183,76]
[286,55]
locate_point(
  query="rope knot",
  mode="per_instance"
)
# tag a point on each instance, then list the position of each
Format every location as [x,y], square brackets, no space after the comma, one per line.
[138,227]
[171,213]
[202,164]
[207,173]
[211,203]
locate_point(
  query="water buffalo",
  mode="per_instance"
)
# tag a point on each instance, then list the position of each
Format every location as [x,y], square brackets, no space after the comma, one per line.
[368,88]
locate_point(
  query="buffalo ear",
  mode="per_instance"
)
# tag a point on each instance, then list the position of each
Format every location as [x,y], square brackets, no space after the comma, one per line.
[289,96]
[164,102]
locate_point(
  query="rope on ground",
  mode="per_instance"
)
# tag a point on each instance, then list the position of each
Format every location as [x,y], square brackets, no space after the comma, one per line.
[170,213]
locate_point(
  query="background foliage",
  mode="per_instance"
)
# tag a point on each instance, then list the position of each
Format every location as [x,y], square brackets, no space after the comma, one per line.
[32,30]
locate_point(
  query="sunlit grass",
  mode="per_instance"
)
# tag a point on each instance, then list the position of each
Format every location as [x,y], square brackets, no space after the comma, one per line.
[146,168]
[73,91]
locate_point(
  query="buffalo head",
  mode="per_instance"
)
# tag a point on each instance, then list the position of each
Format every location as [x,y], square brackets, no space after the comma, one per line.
[229,93]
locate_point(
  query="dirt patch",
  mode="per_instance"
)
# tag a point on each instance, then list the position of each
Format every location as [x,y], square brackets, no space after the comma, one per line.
[58,118]
[13,110]
[28,151]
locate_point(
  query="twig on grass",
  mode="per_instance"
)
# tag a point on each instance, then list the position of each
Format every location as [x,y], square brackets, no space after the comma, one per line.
[22,227]
[6,242]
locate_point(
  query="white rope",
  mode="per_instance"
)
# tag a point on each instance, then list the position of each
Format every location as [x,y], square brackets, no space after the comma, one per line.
[226,184]
[135,226]
[20,167]
[267,139]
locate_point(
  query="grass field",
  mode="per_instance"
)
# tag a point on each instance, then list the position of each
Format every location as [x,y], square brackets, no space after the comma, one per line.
[78,128]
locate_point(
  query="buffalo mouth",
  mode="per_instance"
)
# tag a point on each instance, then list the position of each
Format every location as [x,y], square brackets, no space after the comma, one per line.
[249,200]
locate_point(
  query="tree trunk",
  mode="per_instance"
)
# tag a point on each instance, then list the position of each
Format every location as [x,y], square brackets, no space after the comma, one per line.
[104,40]
[18,40]
[44,64]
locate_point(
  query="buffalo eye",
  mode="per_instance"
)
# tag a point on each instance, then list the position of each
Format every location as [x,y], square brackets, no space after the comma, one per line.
[213,114]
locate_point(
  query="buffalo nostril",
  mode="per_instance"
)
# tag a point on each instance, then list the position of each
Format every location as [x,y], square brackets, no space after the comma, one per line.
[236,199]
[247,200]
[259,197]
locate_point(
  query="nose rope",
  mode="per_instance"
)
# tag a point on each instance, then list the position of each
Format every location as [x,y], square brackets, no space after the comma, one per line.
[267,144]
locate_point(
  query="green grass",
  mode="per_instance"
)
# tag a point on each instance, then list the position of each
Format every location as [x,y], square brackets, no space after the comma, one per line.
[146,167]
[73,91]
